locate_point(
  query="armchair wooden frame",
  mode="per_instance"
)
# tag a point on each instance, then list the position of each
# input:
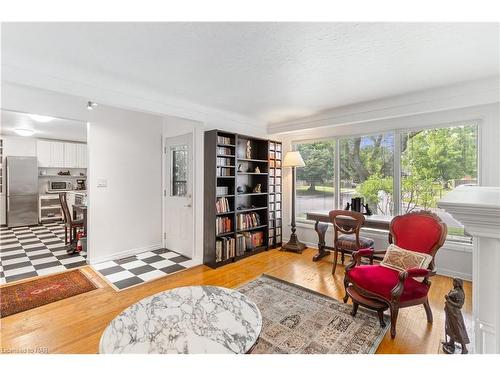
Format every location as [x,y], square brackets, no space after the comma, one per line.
[394,302]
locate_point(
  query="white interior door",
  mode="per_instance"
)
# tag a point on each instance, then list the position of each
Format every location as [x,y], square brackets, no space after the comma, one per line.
[178,194]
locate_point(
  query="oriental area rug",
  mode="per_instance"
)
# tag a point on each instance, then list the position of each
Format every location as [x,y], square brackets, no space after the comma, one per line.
[42,291]
[301,321]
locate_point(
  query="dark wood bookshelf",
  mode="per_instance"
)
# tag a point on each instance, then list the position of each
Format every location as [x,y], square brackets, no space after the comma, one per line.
[275,196]
[238,189]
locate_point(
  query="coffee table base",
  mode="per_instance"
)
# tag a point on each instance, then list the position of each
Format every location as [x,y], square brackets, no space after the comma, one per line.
[358,299]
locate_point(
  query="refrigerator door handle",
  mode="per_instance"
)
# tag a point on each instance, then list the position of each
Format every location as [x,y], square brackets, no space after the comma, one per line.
[8,180]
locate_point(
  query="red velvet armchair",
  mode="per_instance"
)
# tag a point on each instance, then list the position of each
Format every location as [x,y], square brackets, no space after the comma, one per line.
[422,232]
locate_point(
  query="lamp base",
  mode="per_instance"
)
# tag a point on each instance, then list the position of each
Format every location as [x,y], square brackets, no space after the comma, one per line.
[294,245]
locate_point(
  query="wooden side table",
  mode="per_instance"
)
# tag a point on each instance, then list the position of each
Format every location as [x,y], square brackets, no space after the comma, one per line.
[358,299]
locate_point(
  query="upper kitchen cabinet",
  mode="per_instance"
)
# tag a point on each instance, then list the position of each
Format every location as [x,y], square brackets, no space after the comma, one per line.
[71,155]
[82,155]
[61,154]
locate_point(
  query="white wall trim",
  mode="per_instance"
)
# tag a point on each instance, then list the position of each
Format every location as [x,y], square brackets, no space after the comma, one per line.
[461,95]
[123,254]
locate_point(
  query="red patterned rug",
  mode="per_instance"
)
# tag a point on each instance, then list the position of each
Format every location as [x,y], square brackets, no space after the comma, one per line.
[42,291]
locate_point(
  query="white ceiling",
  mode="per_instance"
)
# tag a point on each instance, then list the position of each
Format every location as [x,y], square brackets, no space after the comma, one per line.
[67,130]
[270,72]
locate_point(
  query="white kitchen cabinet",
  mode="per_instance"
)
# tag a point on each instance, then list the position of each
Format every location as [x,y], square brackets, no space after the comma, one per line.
[82,155]
[71,155]
[44,153]
[57,154]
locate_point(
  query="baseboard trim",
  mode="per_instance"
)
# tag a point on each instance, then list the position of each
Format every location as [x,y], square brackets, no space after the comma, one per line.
[122,254]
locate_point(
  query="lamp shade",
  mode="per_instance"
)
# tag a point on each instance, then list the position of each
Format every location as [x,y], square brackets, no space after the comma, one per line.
[293,159]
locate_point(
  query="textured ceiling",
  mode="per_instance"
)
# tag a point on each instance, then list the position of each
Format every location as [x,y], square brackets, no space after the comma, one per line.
[271,72]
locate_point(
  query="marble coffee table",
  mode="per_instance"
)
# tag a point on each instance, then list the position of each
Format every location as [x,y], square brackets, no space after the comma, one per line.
[193,319]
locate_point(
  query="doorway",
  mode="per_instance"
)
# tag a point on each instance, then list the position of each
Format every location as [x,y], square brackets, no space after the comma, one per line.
[178,223]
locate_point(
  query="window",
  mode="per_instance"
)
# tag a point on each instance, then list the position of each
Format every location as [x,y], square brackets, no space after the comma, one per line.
[179,170]
[433,162]
[314,182]
[430,163]
[366,170]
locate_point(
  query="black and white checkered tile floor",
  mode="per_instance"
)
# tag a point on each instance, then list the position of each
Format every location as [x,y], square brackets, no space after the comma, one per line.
[34,251]
[137,269]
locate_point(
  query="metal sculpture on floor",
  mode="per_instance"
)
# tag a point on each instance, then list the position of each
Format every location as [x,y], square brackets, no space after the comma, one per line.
[455,331]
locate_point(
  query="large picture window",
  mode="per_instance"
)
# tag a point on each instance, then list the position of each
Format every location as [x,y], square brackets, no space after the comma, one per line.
[366,170]
[315,185]
[428,164]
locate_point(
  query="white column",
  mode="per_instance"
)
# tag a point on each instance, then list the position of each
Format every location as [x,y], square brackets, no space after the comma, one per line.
[478,209]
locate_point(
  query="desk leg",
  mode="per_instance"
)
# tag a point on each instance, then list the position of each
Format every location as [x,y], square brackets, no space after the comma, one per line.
[321,228]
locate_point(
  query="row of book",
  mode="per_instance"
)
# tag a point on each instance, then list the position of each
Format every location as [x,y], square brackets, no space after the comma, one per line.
[222,205]
[246,221]
[225,248]
[249,240]
[223,171]
[221,162]
[223,225]
[274,146]
[221,150]
[222,190]
[274,172]
[224,140]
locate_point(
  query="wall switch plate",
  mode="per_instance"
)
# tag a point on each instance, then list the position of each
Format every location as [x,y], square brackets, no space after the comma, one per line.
[102,182]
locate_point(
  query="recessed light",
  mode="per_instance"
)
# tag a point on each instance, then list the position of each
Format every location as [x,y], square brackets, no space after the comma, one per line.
[24,132]
[40,118]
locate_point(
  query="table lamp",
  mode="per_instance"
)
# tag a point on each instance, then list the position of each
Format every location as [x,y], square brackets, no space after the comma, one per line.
[293,160]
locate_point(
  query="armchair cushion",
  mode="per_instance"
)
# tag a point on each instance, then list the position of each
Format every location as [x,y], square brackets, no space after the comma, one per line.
[348,241]
[381,280]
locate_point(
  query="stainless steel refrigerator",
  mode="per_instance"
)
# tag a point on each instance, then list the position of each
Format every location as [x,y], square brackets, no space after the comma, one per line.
[22,191]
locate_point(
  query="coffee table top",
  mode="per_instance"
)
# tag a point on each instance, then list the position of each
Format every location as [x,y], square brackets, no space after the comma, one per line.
[193,319]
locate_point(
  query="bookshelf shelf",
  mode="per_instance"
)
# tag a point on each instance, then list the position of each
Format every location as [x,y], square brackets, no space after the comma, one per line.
[221,193]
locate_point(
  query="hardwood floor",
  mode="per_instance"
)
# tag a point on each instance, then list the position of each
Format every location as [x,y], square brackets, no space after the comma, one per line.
[74,325]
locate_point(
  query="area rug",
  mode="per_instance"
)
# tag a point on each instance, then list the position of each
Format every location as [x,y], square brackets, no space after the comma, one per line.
[42,291]
[302,321]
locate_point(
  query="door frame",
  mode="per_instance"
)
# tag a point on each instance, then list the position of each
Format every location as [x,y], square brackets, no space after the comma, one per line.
[165,187]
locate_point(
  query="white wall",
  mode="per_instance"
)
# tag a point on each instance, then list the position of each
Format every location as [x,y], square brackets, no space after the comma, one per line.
[404,113]
[124,150]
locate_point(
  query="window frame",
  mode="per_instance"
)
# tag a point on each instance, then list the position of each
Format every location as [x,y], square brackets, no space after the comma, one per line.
[397,136]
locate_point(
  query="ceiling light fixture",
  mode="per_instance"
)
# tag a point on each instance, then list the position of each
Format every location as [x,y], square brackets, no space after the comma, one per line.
[24,132]
[40,118]
[91,105]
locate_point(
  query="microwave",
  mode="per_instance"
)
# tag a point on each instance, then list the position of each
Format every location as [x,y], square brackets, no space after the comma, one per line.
[60,186]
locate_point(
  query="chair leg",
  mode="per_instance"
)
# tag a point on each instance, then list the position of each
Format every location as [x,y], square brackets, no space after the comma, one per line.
[346,284]
[394,319]
[335,257]
[355,306]
[380,314]
[428,311]
[342,256]
[65,235]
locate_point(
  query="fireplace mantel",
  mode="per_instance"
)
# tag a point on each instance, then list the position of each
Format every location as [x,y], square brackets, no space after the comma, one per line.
[478,209]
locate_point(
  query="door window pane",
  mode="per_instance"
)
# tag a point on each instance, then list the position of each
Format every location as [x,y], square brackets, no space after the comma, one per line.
[433,162]
[179,155]
[314,182]
[366,171]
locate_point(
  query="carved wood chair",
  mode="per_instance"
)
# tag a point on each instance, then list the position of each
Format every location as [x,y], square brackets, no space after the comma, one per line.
[348,224]
[422,232]
[69,224]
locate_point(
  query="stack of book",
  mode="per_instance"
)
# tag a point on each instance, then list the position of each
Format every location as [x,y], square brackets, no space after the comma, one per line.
[222,190]
[223,224]
[224,171]
[224,248]
[221,150]
[224,140]
[221,162]
[250,240]
[222,205]
[246,221]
